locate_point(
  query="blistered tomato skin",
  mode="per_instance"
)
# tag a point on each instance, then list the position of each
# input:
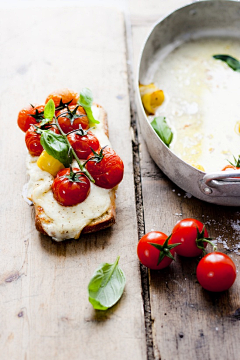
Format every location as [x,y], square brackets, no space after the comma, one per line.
[24,116]
[149,255]
[82,144]
[32,139]
[65,94]
[66,124]
[67,192]
[216,272]
[108,172]
[185,232]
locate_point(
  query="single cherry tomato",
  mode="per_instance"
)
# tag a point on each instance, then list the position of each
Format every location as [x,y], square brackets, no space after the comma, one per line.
[71,117]
[159,255]
[216,272]
[192,235]
[32,138]
[233,166]
[67,96]
[70,187]
[82,141]
[30,115]
[106,168]
[230,167]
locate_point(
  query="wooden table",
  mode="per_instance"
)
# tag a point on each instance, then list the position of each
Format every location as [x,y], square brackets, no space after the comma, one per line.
[45,313]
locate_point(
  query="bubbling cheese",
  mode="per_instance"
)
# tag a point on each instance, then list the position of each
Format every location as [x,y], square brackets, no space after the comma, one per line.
[201,101]
[66,222]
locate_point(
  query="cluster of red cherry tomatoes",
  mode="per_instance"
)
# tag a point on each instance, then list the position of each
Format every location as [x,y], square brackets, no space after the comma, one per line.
[215,271]
[71,186]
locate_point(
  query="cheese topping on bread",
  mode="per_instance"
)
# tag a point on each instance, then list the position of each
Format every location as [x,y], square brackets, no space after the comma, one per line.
[66,222]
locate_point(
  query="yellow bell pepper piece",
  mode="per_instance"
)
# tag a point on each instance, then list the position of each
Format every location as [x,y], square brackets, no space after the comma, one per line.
[152,100]
[48,163]
[198,166]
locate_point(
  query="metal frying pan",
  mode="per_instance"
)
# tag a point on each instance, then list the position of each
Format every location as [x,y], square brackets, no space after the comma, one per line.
[198,20]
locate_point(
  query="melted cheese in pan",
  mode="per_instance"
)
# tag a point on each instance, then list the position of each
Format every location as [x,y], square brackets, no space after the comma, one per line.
[66,222]
[201,101]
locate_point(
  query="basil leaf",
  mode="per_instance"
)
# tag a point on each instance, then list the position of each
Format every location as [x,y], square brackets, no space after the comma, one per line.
[85,101]
[230,61]
[56,146]
[106,286]
[161,127]
[49,110]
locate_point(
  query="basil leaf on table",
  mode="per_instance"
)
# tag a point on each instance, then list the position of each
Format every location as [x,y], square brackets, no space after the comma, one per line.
[86,100]
[49,110]
[230,61]
[161,127]
[56,146]
[106,286]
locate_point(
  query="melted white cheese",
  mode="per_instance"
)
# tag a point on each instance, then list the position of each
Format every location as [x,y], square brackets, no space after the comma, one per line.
[201,101]
[66,222]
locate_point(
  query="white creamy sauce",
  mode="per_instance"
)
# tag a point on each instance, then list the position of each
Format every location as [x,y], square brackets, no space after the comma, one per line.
[66,222]
[201,101]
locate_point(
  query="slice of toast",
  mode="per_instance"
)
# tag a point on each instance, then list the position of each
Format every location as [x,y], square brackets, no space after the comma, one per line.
[105,220]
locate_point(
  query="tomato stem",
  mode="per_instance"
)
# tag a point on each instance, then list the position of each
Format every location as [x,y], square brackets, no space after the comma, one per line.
[82,167]
[165,249]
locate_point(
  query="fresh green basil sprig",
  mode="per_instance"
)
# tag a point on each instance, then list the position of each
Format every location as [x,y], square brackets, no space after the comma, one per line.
[106,286]
[230,61]
[56,146]
[161,127]
[86,100]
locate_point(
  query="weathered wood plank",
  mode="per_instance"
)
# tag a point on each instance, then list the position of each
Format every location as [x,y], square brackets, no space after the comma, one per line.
[188,322]
[44,304]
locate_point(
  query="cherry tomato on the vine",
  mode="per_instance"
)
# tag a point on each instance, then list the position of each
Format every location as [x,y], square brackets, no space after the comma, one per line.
[71,117]
[106,168]
[70,187]
[82,142]
[33,136]
[159,255]
[66,95]
[25,118]
[191,233]
[216,272]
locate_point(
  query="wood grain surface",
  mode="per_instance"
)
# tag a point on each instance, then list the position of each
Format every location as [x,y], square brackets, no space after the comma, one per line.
[187,322]
[44,308]
[45,313]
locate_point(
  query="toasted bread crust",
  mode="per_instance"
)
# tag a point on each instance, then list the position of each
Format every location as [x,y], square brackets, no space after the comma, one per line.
[105,220]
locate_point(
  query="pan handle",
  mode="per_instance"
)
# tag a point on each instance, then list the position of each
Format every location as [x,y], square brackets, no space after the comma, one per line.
[222,183]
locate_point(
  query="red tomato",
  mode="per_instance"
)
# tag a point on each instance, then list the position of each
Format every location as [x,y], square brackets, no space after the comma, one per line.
[230,167]
[70,189]
[189,233]
[82,144]
[65,94]
[216,272]
[25,119]
[70,118]
[106,168]
[150,255]
[32,139]
[233,166]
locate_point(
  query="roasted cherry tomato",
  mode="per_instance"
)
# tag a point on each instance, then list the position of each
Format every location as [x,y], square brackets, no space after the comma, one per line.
[64,96]
[82,141]
[159,255]
[70,187]
[192,235]
[71,117]
[233,166]
[106,168]
[216,272]
[32,139]
[30,115]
